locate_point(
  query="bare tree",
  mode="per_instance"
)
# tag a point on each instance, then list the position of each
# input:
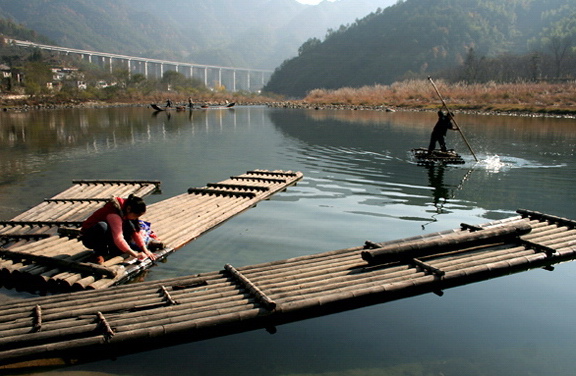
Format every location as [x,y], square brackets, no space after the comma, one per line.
[559,46]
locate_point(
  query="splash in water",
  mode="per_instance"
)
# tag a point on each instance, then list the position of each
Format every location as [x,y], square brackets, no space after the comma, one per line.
[494,164]
[497,163]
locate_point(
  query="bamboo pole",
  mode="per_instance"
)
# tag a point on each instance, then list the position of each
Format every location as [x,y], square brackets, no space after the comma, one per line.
[462,240]
[454,120]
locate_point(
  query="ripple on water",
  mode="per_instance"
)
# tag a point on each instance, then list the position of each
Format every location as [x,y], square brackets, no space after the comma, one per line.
[496,163]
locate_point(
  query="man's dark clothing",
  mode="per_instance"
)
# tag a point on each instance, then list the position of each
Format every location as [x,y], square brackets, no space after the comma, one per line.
[439,132]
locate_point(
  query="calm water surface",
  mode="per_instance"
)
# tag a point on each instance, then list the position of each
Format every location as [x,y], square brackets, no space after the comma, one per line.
[360,183]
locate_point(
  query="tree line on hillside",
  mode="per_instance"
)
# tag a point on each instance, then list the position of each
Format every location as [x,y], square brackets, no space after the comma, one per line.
[471,40]
[18,31]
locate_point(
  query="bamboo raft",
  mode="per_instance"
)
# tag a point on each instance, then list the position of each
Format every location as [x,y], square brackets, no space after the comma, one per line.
[130,318]
[40,250]
[424,157]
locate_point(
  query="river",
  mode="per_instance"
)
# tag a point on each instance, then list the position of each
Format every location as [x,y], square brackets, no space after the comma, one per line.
[360,183]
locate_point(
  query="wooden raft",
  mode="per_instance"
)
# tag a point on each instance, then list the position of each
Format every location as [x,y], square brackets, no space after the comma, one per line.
[142,316]
[41,251]
[424,157]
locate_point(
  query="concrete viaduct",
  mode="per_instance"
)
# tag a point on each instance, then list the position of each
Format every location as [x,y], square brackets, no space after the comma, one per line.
[213,76]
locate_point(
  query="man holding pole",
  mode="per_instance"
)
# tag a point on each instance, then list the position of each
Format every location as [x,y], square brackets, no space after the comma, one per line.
[439,132]
[450,119]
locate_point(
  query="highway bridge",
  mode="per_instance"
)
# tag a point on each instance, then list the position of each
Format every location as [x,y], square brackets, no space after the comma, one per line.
[213,76]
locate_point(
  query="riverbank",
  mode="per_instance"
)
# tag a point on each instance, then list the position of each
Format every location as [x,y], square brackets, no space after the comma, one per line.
[426,108]
[526,99]
[521,99]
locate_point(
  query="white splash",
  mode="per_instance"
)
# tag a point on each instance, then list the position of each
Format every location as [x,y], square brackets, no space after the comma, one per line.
[494,164]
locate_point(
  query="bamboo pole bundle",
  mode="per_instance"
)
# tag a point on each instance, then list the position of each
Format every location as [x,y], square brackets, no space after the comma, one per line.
[42,278]
[344,282]
[349,264]
[330,281]
[310,289]
[31,213]
[296,262]
[45,264]
[48,247]
[156,316]
[104,189]
[60,262]
[7,265]
[319,274]
[77,212]
[185,207]
[183,284]
[180,206]
[139,298]
[519,254]
[277,268]
[121,300]
[185,231]
[517,251]
[30,228]
[212,206]
[522,255]
[144,333]
[341,296]
[35,269]
[462,240]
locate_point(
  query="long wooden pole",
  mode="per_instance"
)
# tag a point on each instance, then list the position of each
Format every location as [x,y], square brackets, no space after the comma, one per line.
[454,120]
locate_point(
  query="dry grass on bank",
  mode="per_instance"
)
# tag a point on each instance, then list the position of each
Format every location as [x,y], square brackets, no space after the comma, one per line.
[521,97]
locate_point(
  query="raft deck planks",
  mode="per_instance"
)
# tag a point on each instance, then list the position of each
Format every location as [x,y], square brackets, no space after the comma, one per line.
[232,300]
[35,258]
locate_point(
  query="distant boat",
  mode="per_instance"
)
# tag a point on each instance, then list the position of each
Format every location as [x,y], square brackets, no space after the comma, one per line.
[182,108]
[207,107]
[156,107]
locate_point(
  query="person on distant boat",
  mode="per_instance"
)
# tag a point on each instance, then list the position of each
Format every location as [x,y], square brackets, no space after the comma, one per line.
[439,132]
[111,230]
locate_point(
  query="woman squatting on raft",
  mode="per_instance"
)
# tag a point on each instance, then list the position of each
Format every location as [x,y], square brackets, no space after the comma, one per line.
[110,230]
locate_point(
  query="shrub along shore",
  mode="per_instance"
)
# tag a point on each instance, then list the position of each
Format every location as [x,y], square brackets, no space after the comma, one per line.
[527,99]
[544,99]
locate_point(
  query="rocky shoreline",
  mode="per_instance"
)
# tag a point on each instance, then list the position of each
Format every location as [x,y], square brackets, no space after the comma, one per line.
[286,105]
[312,106]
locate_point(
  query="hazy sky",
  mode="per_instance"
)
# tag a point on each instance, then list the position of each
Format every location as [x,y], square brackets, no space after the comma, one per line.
[310,1]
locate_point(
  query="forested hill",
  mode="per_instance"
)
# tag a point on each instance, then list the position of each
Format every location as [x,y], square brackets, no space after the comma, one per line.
[17,31]
[419,37]
[240,33]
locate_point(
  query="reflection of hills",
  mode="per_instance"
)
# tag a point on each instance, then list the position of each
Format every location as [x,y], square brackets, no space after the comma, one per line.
[29,140]
[376,131]
[45,131]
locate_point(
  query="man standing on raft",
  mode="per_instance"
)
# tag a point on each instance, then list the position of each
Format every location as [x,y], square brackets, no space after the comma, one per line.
[439,132]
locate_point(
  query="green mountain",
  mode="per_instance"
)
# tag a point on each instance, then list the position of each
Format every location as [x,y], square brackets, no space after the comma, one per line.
[419,37]
[241,33]
[17,31]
